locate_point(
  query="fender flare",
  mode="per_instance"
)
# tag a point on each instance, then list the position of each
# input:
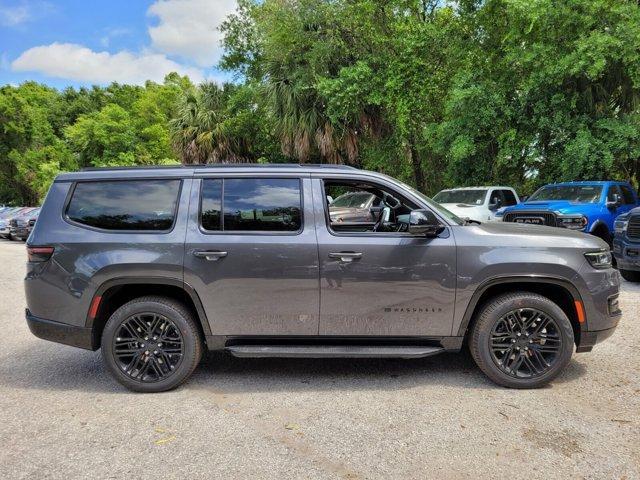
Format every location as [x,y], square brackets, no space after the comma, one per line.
[175,282]
[598,224]
[510,279]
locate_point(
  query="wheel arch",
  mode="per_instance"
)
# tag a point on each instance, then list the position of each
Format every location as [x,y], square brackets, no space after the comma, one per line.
[558,290]
[601,230]
[116,292]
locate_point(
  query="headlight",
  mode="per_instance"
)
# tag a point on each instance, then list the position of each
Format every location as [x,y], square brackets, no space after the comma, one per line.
[620,226]
[599,260]
[574,222]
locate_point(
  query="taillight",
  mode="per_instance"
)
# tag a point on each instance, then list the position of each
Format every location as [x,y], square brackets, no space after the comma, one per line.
[39,254]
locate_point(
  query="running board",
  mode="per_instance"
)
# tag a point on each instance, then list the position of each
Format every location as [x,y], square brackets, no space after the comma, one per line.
[332,351]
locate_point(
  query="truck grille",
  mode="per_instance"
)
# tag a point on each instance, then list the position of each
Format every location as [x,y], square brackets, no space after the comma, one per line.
[633,228]
[531,217]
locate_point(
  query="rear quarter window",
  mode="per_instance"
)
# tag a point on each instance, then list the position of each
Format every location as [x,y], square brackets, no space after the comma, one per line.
[142,205]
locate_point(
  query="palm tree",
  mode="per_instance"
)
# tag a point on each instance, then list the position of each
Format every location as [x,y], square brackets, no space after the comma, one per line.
[199,132]
[301,122]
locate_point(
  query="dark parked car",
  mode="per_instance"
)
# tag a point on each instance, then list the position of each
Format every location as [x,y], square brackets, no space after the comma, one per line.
[20,226]
[626,245]
[5,219]
[152,265]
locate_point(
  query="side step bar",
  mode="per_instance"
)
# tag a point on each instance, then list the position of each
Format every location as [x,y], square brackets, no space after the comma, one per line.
[332,351]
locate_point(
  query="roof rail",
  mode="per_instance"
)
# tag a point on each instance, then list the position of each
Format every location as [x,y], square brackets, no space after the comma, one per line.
[224,165]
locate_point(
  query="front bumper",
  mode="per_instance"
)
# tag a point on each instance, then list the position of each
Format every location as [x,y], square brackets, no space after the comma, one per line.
[626,253]
[589,338]
[600,299]
[72,335]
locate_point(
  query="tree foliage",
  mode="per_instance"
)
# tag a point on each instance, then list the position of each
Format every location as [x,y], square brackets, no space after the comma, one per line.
[436,93]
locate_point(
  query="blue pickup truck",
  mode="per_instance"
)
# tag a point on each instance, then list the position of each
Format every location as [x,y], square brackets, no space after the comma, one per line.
[590,207]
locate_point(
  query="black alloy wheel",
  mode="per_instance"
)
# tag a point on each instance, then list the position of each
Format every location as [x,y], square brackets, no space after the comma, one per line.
[521,340]
[148,347]
[152,344]
[525,343]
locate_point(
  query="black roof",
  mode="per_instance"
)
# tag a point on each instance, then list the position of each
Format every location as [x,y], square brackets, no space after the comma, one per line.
[223,165]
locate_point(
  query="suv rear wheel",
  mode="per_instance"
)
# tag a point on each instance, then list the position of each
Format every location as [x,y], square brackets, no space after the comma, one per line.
[151,344]
[521,340]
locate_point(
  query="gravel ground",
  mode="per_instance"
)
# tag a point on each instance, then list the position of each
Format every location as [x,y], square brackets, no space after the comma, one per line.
[62,416]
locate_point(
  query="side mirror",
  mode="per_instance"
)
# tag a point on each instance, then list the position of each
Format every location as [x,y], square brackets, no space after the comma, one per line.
[424,223]
[496,205]
[524,198]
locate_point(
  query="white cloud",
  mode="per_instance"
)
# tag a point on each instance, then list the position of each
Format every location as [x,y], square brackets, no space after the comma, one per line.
[12,16]
[189,28]
[75,62]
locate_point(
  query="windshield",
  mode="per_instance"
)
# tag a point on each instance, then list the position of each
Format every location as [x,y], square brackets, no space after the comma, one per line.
[434,205]
[571,193]
[354,200]
[469,197]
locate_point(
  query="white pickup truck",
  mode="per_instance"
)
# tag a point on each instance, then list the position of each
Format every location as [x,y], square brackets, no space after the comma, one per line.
[477,203]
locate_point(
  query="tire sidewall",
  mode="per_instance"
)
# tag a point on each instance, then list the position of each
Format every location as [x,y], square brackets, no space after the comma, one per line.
[497,309]
[189,337]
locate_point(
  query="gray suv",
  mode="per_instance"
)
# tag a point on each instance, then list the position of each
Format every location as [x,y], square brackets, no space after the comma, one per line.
[153,265]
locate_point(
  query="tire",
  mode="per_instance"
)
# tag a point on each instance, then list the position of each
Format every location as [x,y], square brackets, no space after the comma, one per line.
[492,326]
[166,321]
[630,275]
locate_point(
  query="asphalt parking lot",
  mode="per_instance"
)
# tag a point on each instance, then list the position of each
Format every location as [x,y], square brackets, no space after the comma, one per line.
[62,416]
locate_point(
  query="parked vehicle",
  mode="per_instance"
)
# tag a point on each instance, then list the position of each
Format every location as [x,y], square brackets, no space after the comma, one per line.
[626,245]
[584,206]
[355,207]
[5,219]
[477,203]
[21,225]
[154,264]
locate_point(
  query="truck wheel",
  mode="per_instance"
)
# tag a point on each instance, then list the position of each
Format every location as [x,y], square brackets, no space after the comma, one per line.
[151,344]
[521,340]
[630,275]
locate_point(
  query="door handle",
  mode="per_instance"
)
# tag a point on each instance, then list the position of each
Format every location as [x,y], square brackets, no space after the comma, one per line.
[211,255]
[346,256]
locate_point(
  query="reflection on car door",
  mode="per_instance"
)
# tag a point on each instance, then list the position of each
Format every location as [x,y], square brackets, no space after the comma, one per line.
[384,284]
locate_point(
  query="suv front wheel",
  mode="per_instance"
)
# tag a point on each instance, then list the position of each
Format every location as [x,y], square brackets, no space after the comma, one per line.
[151,344]
[521,340]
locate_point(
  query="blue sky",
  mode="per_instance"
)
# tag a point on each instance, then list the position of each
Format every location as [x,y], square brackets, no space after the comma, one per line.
[73,42]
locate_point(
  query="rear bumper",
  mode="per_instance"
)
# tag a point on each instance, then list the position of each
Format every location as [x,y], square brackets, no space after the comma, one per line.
[72,335]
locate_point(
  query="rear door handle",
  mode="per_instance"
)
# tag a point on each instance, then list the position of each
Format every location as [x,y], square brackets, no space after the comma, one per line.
[346,256]
[211,255]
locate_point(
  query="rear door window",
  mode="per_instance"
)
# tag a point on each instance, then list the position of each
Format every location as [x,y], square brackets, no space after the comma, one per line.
[613,191]
[509,198]
[627,195]
[251,205]
[143,205]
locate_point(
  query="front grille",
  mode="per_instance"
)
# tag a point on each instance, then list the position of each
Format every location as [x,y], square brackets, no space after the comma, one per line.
[529,216]
[633,228]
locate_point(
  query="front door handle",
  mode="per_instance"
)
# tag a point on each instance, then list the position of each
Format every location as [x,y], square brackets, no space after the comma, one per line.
[346,256]
[211,255]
